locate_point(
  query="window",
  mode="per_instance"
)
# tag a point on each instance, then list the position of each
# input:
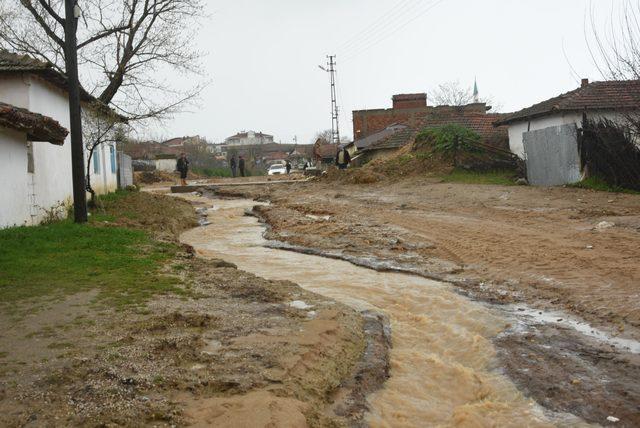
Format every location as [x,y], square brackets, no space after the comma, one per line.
[112,152]
[30,163]
[96,160]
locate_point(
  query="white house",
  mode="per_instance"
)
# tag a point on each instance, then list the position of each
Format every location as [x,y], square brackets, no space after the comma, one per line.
[38,88]
[23,133]
[249,138]
[609,99]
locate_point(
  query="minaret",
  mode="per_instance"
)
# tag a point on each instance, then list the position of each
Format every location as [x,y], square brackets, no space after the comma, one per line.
[476,99]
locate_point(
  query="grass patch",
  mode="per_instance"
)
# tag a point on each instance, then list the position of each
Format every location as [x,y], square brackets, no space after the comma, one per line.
[502,178]
[65,258]
[596,183]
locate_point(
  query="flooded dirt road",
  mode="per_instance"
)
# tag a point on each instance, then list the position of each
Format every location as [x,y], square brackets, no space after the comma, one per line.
[443,363]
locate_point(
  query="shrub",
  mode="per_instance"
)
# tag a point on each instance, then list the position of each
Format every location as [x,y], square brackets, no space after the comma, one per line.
[450,140]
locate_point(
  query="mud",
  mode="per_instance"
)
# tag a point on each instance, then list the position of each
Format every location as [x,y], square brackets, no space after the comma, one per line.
[505,245]
[442,363]
[232,348]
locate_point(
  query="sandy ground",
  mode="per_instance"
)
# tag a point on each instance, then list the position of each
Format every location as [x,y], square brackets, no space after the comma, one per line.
[567,250]
[233,351]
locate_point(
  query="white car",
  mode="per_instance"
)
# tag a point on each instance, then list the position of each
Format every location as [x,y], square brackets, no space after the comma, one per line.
[277,169]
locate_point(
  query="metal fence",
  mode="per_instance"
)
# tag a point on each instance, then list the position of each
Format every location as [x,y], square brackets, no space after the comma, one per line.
[125,171]
[552,156]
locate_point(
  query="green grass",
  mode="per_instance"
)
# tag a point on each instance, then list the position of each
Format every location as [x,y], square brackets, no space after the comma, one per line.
[503,178]
[65,258]
[213,172]
[596,183]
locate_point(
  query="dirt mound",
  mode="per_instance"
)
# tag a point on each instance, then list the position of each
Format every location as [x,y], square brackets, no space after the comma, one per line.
[421,158]
[152,177]
[160,214]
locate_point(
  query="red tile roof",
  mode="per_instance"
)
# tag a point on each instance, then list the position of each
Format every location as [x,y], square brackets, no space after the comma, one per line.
[36,126]
[483,124]
[324,150]
[611,95]
[394,141]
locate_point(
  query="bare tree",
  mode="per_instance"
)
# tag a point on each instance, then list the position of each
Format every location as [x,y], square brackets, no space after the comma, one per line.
[453,94]
[100,126]
[327,135]
[615,50]
[123,46]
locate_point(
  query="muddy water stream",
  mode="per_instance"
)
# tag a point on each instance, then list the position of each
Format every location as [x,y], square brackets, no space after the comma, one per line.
[443,369]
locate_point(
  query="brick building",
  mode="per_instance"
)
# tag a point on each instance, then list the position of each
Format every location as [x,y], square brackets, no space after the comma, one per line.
[412,110]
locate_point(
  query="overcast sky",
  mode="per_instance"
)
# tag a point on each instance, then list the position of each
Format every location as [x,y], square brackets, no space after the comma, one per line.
[262,58]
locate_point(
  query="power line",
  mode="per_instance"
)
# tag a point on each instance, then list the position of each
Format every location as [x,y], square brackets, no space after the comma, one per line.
[389,21]
[373,26]
[393,32]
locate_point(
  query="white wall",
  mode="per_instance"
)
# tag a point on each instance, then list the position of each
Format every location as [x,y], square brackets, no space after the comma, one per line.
[168,165]
[517,129]
[52,164]
[51,181]
[14,203]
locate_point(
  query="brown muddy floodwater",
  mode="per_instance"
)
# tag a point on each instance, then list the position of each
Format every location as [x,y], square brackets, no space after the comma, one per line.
[443,365]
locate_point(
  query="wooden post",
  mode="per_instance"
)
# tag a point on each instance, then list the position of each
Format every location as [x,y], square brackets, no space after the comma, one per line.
[77,148]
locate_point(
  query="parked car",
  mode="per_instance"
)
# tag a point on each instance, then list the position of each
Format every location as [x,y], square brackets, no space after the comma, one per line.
[277,169]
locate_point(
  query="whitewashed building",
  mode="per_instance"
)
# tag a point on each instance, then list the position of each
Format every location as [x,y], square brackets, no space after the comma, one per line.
[249,138]
[23,133]
[609,99]
[38,88]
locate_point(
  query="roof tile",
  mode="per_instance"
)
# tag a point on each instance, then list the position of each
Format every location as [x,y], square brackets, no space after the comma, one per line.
[608,95]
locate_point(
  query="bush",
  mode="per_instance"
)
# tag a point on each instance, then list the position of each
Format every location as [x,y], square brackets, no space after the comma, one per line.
[451,140]
[609,154]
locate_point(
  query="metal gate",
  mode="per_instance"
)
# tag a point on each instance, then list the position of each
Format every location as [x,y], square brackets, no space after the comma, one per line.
[552,156]
[125,171]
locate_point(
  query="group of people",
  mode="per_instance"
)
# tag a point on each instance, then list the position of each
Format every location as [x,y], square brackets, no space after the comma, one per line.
[342,161]
[235,165]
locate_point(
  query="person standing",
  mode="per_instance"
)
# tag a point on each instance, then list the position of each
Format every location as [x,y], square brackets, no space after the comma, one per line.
[183,167]
[288,166]
[233,165]
[241,165]
[343,158]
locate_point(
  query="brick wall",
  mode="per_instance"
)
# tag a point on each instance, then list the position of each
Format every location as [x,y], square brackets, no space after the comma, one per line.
[409,101]
[367,122]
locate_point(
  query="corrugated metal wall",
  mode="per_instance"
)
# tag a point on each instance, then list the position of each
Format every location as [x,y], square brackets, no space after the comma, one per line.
[552,156]
[125,171]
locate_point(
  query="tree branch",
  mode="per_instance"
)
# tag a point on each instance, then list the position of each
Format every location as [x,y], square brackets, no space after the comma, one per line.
[42,22]
[102,35]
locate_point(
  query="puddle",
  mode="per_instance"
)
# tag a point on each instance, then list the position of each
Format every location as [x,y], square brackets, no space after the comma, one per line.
[546,317]
[443,365]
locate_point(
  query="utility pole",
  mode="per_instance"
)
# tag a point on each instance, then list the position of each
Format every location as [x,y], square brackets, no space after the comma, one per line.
[335,122]
[72,13]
